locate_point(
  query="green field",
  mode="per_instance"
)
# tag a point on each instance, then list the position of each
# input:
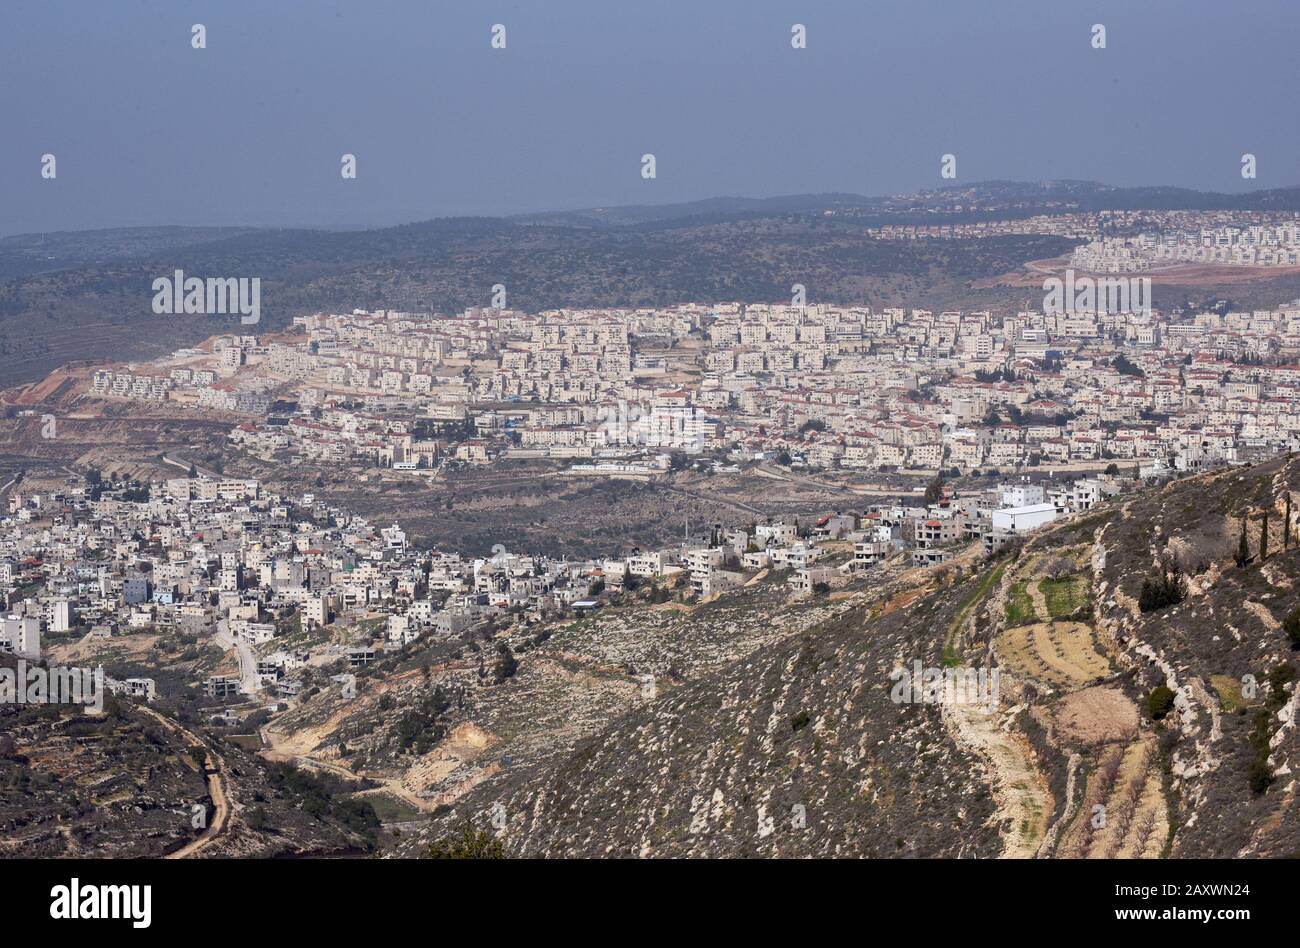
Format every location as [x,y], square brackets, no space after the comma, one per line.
[1020,607]
[1064,596]
[391,809]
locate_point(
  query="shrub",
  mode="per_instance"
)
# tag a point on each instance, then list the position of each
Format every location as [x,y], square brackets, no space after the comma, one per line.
[1162,591]
[1058,567]
[1279,676]
[1291,626]
[1259,775]
[1160,702]
[468,844]
[506,665]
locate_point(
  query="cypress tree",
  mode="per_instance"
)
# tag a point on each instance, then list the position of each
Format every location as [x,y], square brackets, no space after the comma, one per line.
[1243,546]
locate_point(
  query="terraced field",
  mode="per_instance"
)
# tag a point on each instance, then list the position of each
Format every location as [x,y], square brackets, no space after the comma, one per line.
[1037,600]
[1020,605]
[1115,805]
[1123,813]
[1064,596]
[1063,654]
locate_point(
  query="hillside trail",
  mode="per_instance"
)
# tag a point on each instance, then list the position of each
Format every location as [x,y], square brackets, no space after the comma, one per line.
[1038,599]
[216,768]
[1024,802]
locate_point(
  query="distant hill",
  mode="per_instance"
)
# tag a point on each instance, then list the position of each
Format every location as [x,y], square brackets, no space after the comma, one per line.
[103,310]
[39,253]
[87,295]
[708,208]
[1013,198]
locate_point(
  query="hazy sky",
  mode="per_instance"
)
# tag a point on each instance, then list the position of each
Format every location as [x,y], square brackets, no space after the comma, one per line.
[250,130]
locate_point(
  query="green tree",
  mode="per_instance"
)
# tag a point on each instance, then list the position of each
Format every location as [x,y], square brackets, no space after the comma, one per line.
[1160,702]
[1164,590]
[1243,546]
[469,843]
[506,665]
[934,490]
[1291,626]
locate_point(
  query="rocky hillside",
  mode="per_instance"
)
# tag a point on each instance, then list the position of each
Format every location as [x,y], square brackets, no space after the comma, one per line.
[787,751]
[1144,706]
[1228,738]
[133,782]
[439,718]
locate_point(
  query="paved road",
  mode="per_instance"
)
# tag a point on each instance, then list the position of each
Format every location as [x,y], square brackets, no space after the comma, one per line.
[185,466]
[248,682]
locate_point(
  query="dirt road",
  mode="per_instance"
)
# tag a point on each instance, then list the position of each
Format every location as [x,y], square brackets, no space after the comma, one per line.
[216,769]
[280,748]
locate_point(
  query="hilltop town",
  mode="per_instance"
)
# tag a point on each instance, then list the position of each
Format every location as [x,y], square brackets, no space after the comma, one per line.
[814,387]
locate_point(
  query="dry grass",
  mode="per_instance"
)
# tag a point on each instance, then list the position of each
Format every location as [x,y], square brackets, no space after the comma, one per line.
[1133,820]
[1060,653]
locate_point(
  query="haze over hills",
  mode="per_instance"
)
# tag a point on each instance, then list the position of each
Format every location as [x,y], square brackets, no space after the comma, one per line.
[1005,196]
[87,295]
[66,248]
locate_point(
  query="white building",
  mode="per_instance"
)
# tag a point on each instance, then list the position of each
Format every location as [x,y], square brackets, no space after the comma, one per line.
[1023,519]
[22,636]
[60,616]
[1023,495]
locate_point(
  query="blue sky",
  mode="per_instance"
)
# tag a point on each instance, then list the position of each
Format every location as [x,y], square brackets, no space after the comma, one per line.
[147,130]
